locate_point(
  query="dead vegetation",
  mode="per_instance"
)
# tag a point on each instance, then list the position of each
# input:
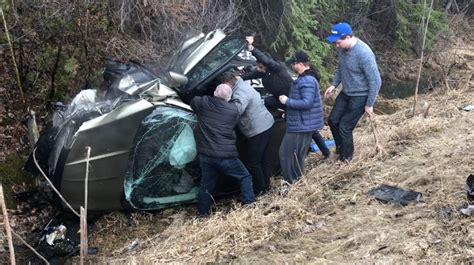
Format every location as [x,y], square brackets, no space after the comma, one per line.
[327,216]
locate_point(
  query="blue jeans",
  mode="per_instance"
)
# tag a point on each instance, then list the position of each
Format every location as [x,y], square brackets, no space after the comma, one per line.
[211,169]
[344,117]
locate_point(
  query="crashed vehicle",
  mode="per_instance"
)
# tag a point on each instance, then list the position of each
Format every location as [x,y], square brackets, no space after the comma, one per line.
[143,153]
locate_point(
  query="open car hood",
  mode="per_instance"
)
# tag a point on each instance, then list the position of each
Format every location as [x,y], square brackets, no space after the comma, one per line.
[201,59]
[193,50]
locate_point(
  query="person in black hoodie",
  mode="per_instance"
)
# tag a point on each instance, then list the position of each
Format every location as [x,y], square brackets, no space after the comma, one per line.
[215,140]
[274,75]
[277,80]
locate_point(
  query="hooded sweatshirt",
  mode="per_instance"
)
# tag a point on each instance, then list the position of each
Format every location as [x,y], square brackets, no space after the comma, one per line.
[276,78]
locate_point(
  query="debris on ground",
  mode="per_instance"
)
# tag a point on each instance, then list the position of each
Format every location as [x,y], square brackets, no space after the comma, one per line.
[469,107]
[469,210]
[313,147]
[392,194]
[469,187]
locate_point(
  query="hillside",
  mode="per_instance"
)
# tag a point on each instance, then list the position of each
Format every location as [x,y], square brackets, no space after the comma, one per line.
[327,216]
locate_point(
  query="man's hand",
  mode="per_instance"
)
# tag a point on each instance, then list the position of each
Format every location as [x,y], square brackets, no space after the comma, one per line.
[369,110]
[249,39]
[329,91]
[283,99]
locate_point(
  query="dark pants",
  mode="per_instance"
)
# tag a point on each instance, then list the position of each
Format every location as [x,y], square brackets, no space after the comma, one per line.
[321,143]
[256,162]
[211,169]
[273,103]
[344,117]
[293,150]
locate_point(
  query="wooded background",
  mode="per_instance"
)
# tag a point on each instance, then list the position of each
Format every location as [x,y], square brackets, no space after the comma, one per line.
[61,46]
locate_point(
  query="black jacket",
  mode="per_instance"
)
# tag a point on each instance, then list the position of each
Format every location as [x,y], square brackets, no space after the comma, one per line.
[276,79]
[214,133]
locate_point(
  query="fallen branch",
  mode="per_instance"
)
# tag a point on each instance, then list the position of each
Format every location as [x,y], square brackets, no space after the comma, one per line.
[52,185]
[7,226]
[83,225]
[83,232]
[378,147]
[30,247]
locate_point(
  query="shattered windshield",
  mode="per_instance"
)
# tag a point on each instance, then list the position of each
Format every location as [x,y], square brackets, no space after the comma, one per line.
[161,168]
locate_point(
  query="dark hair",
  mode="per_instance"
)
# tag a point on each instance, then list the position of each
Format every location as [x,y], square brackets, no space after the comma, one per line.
[345,36]
[227,77]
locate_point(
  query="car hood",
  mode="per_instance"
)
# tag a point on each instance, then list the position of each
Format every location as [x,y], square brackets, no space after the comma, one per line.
[193,50]
[200,58]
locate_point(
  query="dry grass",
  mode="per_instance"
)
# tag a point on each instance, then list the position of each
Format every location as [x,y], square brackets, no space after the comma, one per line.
[327,216]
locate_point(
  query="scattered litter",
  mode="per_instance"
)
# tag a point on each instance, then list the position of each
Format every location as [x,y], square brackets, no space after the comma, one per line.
[313,147]
[133,245]
[392,194]
[58,233]
[59,240]
[469,187]
[469,210]
[469,107]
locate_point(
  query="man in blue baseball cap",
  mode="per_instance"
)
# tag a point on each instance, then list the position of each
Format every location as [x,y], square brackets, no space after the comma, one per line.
[359,75]
[338,31]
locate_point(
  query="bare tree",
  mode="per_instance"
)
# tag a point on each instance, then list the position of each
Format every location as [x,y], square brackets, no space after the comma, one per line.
[164,22]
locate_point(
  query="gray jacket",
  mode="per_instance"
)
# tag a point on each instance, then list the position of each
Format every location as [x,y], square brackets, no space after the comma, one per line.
[254,117]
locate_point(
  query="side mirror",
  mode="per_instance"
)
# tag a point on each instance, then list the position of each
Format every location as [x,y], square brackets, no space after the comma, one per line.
[178,78]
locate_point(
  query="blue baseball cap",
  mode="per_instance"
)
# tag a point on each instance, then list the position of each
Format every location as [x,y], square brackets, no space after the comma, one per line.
[338,31]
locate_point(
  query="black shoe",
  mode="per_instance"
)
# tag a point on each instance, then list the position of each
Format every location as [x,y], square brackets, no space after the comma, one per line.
[201,215]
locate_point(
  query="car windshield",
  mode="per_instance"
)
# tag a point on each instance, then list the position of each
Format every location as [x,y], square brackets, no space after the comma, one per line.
[220,55]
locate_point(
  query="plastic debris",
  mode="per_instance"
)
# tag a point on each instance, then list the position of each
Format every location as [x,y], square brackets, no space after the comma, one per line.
[56,234]
[469,107]
[392,194]
[469,210]
[133,245]
[313,147]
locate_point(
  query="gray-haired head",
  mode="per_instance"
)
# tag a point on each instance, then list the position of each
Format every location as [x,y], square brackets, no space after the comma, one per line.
[223,91]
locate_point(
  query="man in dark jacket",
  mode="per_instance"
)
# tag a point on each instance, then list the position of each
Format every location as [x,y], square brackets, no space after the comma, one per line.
[277,80]
[274,75]
[304,116]
[215,141]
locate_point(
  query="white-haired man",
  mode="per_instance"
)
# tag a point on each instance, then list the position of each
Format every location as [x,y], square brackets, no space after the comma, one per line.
[215,141]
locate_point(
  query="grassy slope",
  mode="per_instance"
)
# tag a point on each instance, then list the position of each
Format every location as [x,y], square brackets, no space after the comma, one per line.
[327,217]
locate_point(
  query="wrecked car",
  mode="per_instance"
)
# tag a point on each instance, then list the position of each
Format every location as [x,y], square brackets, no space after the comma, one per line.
[143,154]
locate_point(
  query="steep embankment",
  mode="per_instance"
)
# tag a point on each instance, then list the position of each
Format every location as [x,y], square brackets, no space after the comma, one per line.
[327,217]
